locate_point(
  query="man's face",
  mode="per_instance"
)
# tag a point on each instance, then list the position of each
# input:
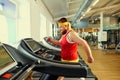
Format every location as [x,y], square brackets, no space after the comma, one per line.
[63,27]
[63,30]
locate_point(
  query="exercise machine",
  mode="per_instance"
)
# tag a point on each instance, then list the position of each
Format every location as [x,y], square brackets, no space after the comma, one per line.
[24,64]
[118,48]
[32,51]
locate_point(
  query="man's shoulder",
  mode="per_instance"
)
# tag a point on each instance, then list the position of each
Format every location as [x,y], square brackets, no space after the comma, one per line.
[72,32]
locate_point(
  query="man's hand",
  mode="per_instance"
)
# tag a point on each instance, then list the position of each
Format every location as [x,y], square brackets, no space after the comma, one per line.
[48,39]
[90,59]
[53,41]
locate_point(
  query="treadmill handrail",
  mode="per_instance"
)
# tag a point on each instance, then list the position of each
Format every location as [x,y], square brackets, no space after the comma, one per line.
[63,70]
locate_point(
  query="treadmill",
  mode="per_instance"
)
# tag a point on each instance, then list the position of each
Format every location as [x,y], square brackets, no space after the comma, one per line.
[51,66]
[24,65]
[117,48]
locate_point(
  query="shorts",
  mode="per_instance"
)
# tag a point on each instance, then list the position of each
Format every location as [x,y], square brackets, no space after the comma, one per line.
[77,60]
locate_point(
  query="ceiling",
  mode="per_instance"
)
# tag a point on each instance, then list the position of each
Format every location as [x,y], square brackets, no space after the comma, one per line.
[63,8]
[78,9]
[107,7]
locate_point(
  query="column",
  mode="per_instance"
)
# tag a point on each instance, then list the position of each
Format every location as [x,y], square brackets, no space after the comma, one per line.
[100,30]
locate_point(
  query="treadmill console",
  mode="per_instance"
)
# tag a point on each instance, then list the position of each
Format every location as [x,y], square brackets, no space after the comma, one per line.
[32,45]
[10,68]
[38,49]
[6,60]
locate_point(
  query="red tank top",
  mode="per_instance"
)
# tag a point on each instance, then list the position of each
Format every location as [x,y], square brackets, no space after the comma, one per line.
[68,50]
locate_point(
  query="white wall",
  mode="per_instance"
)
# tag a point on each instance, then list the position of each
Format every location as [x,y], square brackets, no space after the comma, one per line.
[23,26]
[38,29]
[29,20]
[35,20]
[49,28]
[43,26]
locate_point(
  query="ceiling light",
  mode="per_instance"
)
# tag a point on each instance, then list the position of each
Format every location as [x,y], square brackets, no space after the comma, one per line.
[88,9]
[95,2]
[81,18]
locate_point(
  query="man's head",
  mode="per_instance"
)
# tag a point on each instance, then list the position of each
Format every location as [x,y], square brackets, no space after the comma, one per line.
[64,25]
[62,20]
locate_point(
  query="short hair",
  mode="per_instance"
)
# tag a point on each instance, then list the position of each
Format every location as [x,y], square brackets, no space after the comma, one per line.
[62,20]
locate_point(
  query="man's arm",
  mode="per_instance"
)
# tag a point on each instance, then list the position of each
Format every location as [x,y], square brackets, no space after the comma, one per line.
[56,42]
[75,38]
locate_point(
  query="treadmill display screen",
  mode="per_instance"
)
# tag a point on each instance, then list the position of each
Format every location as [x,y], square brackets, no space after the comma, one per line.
[33,46]
[6,60]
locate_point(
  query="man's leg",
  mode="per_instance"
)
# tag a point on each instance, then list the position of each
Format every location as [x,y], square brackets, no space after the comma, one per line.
[60,78]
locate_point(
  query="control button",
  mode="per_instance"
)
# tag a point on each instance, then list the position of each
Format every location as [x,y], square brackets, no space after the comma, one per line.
[7,75]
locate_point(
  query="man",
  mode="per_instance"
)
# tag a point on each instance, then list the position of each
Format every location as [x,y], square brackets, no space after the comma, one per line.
[69,43]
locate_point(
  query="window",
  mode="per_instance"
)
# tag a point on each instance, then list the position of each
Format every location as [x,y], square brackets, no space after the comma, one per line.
[7,22]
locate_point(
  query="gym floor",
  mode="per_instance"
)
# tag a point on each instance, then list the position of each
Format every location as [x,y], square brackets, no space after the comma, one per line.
[106,65]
